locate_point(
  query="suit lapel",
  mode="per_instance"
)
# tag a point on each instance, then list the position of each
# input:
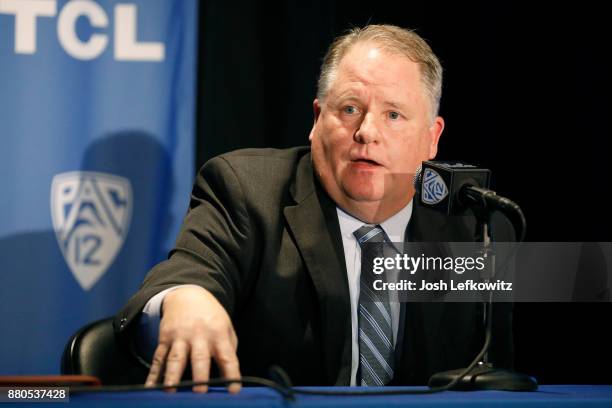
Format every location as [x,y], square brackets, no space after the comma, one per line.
[420,321]
[314,224]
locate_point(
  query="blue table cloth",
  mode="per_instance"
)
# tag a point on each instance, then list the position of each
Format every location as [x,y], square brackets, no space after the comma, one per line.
[546,396]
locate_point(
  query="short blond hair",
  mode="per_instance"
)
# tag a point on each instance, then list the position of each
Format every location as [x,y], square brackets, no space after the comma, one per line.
[392,39]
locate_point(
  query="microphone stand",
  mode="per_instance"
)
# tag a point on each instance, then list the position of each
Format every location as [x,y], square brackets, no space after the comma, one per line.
[484,376]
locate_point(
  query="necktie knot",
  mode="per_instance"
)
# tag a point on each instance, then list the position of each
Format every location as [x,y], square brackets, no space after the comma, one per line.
[369,233]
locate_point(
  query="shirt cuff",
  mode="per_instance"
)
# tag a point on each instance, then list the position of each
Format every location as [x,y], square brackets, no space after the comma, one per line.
[148,325]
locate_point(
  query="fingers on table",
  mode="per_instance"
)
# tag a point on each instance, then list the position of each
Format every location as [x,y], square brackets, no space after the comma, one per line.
[200,364]
[227,360]
[159,358]
[176,361]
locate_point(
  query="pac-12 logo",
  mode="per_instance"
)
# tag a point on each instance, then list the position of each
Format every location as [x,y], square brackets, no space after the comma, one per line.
[434,187]
[91,216]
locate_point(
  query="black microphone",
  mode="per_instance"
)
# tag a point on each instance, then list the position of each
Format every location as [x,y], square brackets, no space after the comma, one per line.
[453,187]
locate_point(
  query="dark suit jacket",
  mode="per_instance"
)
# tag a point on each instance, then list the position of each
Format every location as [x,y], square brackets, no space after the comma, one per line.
[263,236]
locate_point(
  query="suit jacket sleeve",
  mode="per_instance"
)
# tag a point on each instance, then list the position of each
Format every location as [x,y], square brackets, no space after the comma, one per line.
[213,246]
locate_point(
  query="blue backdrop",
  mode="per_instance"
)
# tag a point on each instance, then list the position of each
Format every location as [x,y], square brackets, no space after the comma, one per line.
[96,161]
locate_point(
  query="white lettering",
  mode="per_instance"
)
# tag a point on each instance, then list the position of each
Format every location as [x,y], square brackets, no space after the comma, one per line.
[127,47]
[126,44]
[415,265]
[377,267]
[26,12]
[66,29]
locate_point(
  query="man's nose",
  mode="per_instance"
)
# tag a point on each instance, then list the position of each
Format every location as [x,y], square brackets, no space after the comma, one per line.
[368,131]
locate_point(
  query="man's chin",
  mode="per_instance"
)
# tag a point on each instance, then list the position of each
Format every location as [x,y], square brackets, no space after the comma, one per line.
[364,193]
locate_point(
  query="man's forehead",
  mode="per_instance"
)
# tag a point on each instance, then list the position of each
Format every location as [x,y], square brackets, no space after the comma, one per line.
[387,95]
[371,51]
[372,65]
[370,68]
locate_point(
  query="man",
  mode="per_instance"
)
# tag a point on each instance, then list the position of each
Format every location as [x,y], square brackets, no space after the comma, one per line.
[268,253]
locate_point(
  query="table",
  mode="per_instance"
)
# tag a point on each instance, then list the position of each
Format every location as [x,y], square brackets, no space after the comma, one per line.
[546,396]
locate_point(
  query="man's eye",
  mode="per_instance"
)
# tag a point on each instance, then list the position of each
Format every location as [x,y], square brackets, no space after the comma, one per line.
[394,115]
[351,110]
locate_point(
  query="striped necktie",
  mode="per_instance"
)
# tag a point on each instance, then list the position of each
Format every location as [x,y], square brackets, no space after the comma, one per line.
[376,350]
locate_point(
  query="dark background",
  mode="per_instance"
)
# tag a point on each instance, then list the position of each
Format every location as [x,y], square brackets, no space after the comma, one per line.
[526,94]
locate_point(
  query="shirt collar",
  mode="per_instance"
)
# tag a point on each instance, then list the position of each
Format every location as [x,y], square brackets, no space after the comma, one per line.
[394,226]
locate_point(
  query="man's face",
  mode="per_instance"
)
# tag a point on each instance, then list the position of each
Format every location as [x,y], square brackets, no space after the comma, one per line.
[372,131]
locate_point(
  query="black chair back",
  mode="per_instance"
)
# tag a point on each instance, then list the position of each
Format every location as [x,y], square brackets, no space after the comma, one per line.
[94,350]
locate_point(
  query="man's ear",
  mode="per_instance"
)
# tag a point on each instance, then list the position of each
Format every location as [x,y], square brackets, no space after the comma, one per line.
[435,131]
[316,109]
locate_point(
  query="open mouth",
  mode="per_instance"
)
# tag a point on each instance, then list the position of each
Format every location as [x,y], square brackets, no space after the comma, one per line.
[366,161]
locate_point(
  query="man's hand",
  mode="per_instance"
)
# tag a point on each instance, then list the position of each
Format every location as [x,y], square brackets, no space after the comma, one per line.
[194,325]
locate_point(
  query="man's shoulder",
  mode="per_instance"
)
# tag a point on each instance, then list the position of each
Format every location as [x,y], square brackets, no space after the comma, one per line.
[263,175]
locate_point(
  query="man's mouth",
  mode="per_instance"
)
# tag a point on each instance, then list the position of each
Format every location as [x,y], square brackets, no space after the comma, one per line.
[365,163]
